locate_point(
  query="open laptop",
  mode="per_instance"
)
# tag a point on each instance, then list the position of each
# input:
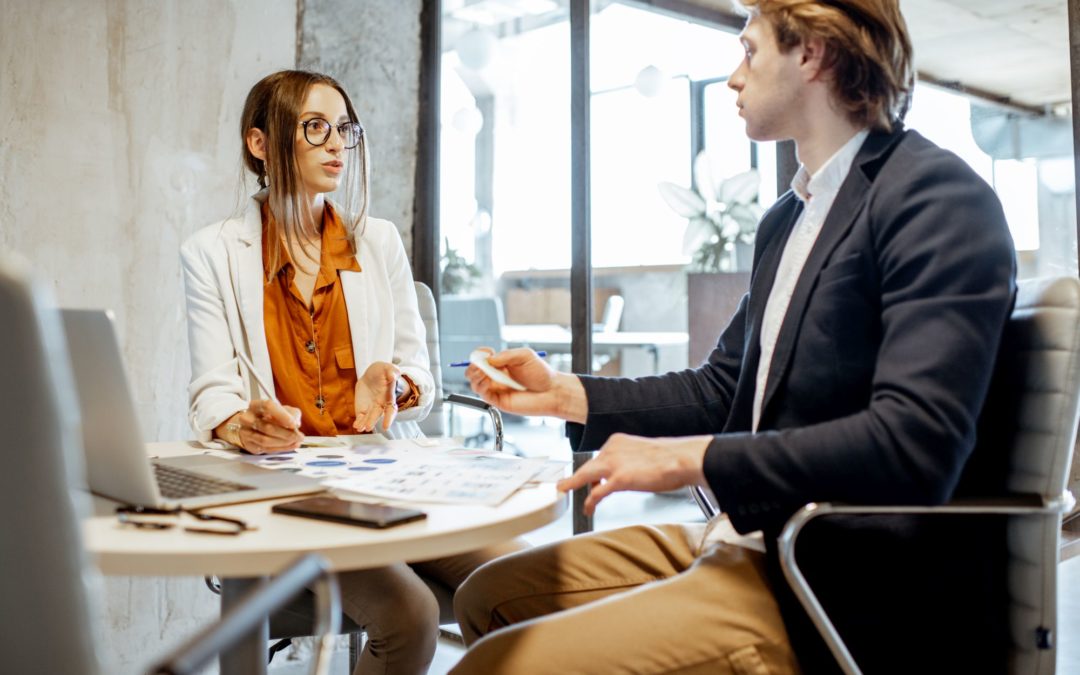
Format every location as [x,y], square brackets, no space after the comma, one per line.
[117,465]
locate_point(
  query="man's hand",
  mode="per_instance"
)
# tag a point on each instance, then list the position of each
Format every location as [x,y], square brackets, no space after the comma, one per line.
[266,426]
[640,464]
[549,392]
[375,396]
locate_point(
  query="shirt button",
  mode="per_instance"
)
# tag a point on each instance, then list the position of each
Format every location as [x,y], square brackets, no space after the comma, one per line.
[310,346]
[320,403]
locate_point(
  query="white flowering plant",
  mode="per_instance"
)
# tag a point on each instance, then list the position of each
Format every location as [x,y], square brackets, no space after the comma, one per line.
[720,213]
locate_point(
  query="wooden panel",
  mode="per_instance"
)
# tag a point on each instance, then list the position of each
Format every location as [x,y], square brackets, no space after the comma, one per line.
[712,300]
[548,305]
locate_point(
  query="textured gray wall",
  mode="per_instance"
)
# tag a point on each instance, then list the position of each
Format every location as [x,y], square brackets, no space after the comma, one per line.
[373,48]
[118,139]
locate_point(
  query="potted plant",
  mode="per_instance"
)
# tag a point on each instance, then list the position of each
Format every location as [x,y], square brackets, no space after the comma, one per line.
[458,274]
[720,215]
[722,218]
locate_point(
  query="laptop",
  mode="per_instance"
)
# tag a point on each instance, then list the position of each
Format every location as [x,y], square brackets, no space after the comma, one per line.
[117,465]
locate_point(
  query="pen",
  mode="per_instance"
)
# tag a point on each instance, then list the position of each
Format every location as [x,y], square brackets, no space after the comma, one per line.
[258,379]
[463,364]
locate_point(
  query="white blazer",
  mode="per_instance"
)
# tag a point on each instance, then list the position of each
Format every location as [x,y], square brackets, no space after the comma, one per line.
[223,281]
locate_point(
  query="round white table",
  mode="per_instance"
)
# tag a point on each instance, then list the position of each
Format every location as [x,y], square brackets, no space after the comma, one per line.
[242,560]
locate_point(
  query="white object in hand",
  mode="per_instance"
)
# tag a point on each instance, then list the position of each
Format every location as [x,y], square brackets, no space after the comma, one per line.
[480,360]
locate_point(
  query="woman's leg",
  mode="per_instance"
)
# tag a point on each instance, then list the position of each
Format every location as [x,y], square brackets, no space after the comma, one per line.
[399,614]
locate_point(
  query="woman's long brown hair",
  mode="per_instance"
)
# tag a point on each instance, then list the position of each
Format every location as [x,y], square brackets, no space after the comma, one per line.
[273,106]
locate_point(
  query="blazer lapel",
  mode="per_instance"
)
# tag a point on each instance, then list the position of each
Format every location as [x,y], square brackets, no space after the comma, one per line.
[246,268]
[849,202]
[772,245]
[356,305]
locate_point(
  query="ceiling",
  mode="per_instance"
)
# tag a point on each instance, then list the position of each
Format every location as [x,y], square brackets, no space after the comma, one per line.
[1015,50]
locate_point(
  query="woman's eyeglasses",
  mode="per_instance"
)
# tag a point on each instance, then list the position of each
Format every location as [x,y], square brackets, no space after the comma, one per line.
[317,132]
[149,518]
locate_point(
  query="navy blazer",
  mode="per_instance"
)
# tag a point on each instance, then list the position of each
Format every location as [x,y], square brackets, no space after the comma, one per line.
[880,370]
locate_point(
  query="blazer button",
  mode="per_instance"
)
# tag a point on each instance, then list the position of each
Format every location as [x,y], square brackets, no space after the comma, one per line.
[310,346]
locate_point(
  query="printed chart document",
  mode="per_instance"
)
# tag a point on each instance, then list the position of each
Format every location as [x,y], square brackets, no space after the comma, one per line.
[416,472]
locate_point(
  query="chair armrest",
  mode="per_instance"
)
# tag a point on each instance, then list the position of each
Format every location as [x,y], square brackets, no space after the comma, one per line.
[269,597]
[1012,505]
[492,411]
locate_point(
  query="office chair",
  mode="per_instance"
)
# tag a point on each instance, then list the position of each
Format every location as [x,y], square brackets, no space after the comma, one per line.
[468,323]
[47,585]
[295,620]
[1033,400]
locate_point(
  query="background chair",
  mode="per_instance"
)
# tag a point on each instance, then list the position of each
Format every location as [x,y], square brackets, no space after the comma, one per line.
[1032,408]
[47,585]
[467,323]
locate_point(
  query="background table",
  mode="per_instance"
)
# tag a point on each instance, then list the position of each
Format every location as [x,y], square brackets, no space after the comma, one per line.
[242,560]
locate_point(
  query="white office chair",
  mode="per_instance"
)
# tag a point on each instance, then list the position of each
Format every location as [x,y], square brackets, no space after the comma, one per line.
[1033,407]
[47,585]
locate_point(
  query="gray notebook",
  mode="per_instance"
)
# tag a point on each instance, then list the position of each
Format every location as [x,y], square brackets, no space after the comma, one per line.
[117,465]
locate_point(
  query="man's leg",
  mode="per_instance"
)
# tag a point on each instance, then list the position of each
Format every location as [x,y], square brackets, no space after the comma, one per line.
[632,600]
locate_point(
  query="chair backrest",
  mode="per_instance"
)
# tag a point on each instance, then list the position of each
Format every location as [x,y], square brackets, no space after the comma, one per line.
[612,314]
[434,424]
[1032,413]
[46,582]
[464,325]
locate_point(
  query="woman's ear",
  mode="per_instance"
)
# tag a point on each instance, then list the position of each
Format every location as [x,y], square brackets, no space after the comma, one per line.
[256,143]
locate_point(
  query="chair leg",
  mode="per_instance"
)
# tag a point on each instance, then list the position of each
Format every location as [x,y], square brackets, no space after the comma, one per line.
[356,645]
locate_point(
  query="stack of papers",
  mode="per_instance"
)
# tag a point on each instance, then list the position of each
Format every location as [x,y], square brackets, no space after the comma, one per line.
[421,473]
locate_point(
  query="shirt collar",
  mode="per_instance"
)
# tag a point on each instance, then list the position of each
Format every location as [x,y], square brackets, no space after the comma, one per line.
[831,175]
[336,252]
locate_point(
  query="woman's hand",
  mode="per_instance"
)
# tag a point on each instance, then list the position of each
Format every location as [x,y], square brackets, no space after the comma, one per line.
[548,392]
[375,396]
[266,426]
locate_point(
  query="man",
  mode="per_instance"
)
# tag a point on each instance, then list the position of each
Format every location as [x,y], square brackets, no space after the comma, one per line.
[854,370]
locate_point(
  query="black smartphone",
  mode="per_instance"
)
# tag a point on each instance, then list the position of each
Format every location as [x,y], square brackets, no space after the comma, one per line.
[351,513]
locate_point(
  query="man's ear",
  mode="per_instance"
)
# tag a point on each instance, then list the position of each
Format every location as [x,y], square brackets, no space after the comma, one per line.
[813,58]
[256,143]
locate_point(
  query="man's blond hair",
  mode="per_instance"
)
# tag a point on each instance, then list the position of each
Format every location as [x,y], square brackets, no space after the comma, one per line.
[867,51]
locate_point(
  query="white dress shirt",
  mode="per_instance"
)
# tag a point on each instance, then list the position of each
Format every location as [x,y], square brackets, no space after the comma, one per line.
[817,193]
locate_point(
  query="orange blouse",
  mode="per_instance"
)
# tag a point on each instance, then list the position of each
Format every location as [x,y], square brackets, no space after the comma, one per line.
[311,347]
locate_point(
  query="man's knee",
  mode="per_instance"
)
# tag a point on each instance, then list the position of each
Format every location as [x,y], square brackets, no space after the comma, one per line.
[476,599]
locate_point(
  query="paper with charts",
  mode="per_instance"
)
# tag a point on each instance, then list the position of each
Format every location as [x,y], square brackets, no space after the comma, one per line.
[454,475]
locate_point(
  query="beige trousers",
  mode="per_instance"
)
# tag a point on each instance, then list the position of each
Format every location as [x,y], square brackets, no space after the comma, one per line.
[636,600]
[400,614]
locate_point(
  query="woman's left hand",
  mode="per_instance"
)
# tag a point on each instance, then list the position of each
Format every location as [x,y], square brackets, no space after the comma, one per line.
[375,396]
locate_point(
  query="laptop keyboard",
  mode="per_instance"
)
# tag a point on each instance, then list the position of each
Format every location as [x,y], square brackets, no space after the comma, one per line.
[177,483]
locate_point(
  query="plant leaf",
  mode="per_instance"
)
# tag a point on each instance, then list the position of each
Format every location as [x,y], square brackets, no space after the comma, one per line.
[682,201]
[703,181]
[741,188]
[698,231]
[746,215]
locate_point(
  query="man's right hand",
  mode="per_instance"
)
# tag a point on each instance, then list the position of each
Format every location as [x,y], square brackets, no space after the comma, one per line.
[548,392]
[265,427]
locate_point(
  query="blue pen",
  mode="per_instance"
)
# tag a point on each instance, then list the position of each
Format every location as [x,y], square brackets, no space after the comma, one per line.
[462,364]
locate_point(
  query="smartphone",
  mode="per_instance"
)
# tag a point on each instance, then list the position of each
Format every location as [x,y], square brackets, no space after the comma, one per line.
[351,513]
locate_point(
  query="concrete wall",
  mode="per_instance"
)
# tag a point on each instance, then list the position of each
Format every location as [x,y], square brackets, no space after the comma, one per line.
[118,139]
[373,48]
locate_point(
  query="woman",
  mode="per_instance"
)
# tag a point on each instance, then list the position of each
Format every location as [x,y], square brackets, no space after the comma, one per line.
[320,296]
